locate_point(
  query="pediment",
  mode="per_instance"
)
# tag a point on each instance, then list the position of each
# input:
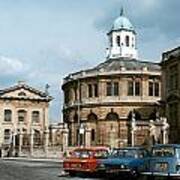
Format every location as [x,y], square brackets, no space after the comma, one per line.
[24,91]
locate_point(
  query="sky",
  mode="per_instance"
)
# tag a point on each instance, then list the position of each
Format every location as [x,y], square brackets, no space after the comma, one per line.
[42,41]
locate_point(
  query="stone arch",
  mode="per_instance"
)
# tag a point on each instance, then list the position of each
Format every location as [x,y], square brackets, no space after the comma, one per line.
[92,117]
[112,116]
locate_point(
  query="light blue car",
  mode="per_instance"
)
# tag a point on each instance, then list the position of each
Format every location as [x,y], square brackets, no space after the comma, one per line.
[164,162]
[129,161]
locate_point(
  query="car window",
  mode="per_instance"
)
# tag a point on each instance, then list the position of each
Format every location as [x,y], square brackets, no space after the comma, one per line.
[163,151]
[101,154]
[131,153]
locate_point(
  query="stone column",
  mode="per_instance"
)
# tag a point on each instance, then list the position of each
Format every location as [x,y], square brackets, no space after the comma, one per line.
[112,138]
[65,133]
[20,142]
[87,137]
[133,129]
[46,141]
[31,142]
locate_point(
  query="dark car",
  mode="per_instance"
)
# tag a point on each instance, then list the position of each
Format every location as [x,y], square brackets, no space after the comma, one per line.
[129,161]
[164,161]
[84,160]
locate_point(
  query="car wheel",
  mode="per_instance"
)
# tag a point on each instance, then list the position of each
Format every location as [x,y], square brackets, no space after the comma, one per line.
[134,174]
[71,173]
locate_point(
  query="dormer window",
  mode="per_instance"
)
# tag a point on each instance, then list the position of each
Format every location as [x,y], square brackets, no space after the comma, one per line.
[21,93]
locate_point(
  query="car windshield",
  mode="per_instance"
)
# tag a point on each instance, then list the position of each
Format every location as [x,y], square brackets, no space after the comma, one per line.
[163,151]
[82,153]
[132,153]
[90,153]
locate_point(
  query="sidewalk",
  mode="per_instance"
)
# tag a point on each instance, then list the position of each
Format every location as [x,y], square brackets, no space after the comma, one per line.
[36,160]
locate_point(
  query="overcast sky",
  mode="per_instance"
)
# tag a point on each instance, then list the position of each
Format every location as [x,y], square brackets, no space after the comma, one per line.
[41,41]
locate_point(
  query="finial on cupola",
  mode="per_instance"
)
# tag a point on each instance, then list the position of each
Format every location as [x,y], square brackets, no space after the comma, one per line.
[122,11]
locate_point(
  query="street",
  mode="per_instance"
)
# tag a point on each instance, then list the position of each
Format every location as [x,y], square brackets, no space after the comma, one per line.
[15,170]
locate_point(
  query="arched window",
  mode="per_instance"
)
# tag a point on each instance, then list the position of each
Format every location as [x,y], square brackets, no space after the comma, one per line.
[35,116]
[118,41]
[92,117]
[22,115]
[7,115]
[112,116]
[127,41]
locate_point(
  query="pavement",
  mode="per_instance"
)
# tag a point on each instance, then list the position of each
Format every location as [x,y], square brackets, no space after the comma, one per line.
[35,160]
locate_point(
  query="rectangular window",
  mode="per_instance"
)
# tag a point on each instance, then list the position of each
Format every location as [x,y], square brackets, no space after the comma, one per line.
[116,89]
[7,136]
[7,115]
[90,90]
[156,89]
[109,89]
[130,88]
[150,88]
[96,90]
[35,116]
[137,88]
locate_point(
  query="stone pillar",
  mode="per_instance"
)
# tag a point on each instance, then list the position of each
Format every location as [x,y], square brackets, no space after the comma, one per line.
[65,133]
[20,142]
[13,143]
[87,137]
[46,141]
[133,129]
[112,138]
[31,142]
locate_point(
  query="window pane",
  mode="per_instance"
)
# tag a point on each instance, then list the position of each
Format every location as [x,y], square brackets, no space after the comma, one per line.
[96,90]
[21,115]
[127,41]
[35,116]
[156,89]
[118,40]
[109,89]
[130,88]
[137,88]
[89,90]
[116,89]
[7,115]
[150,88]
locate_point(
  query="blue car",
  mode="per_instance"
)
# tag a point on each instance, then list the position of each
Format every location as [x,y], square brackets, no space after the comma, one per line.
[164,161]
[129,161]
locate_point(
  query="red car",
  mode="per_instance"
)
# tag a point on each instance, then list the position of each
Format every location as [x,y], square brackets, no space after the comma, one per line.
[84,160]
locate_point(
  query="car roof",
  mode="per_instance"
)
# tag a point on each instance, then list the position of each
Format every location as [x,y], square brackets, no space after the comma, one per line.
[167,145]
[91,148]
[130,148]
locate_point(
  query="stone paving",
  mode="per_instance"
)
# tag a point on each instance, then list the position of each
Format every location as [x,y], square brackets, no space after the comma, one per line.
[23,170]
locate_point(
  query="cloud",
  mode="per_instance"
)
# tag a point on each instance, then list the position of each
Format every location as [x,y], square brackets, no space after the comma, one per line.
[162,15]
[11,66]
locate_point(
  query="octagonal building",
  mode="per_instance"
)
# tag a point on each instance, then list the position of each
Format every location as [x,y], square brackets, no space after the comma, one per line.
[99,102]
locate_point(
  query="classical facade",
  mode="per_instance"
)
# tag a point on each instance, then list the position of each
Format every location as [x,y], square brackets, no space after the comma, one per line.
[23,118]
[100,103]
[171,91]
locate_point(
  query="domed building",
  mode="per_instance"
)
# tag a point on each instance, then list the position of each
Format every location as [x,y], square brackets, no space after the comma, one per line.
[101,103]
